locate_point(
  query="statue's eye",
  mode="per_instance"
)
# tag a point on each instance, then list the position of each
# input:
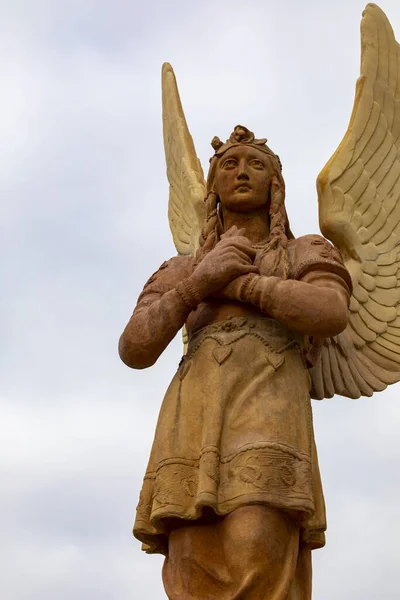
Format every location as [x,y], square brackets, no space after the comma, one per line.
[256,164]
[230,163]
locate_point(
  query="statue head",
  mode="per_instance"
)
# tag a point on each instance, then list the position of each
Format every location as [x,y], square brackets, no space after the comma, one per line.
[245,175]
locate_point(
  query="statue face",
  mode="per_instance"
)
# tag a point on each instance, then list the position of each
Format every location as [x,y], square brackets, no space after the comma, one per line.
[242,179]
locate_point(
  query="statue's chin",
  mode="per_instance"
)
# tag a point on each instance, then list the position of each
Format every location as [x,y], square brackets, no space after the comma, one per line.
[243,202]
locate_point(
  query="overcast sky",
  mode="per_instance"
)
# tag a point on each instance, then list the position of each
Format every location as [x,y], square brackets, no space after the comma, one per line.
[83,224]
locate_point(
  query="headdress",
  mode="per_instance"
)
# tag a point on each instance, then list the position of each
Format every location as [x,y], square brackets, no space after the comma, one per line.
[241,135]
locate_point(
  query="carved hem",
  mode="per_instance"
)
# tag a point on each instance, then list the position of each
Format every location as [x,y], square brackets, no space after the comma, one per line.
[265,473]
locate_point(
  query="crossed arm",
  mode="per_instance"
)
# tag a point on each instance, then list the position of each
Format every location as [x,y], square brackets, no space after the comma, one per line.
[315,306]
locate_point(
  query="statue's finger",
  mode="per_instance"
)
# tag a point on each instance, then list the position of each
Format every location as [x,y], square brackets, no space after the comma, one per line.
[233,232]
[242,244]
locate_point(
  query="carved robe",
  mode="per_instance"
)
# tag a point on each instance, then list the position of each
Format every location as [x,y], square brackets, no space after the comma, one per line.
[235,427]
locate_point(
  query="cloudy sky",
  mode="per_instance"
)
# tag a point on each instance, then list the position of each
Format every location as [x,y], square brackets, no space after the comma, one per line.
[83,224]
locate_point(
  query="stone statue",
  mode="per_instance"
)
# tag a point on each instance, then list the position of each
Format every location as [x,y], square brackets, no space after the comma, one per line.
[232,495]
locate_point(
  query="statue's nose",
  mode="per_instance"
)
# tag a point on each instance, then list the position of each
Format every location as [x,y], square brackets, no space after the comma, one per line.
[243,174]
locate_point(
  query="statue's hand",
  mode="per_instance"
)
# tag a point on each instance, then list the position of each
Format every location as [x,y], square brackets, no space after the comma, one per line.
[232,256]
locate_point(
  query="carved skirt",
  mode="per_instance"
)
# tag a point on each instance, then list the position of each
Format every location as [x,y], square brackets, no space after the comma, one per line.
[235,428]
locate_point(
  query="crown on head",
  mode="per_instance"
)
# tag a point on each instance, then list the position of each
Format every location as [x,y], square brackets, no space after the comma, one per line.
[242,135]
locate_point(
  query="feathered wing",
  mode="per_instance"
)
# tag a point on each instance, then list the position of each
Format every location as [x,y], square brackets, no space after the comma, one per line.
[187,188]
[359,211]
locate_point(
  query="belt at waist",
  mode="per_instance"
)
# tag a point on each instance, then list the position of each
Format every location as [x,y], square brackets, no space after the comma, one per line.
[273,334]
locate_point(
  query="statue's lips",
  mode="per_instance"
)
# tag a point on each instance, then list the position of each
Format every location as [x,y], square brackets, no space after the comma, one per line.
[242,187]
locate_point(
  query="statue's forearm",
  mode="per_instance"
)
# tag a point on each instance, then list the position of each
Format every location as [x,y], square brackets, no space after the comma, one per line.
[151,328]
[162,309]
[309,308]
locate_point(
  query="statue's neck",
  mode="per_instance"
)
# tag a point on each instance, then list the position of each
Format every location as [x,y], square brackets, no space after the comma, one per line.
[256,224]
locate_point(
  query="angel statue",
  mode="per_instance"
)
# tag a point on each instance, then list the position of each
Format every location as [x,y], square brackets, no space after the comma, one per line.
[232,494]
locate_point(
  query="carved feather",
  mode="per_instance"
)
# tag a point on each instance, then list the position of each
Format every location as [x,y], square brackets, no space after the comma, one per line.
[359,211]
[187,188]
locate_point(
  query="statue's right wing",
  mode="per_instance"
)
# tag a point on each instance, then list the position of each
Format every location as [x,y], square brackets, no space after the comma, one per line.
[187,188]
[359,210]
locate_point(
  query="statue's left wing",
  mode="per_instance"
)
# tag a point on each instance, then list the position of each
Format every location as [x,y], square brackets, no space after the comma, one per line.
[359,209]
[187,188]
